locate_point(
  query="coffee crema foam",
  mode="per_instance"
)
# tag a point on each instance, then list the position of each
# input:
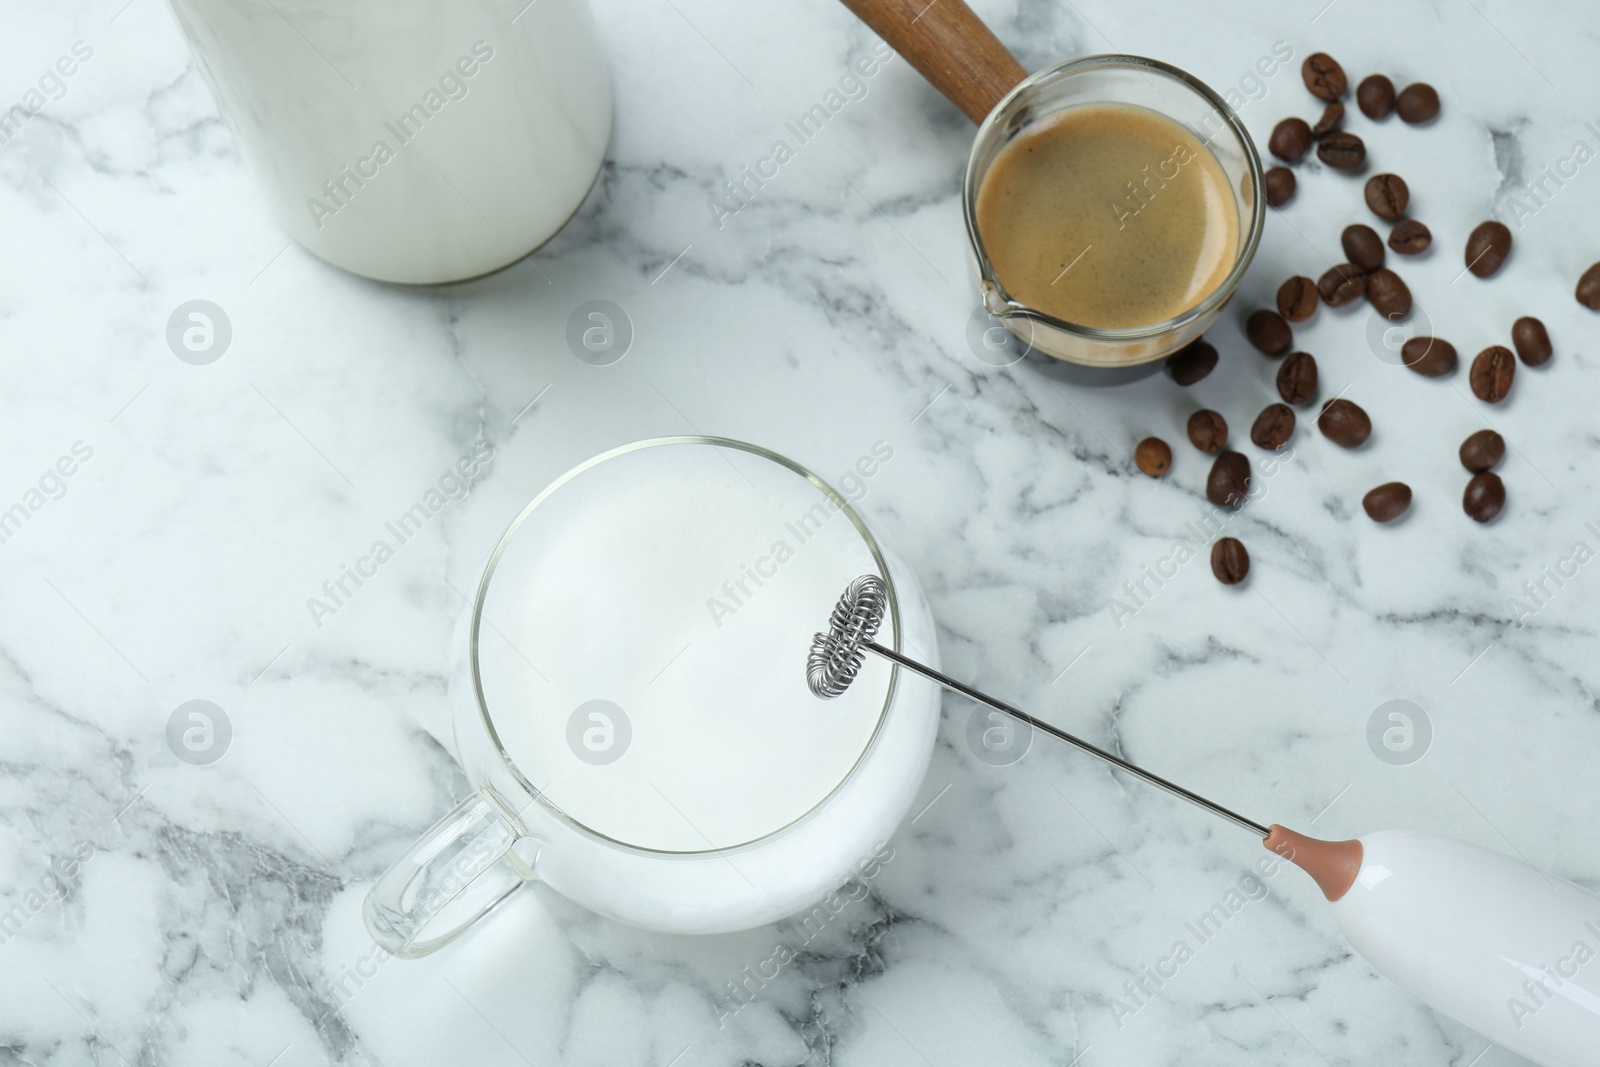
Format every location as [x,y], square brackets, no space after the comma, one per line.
[1109,216]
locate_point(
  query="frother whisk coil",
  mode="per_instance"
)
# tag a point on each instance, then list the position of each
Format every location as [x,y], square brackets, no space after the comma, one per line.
[836,656]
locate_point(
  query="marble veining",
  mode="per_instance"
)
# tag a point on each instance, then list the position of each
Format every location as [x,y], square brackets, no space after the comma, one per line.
[153,911]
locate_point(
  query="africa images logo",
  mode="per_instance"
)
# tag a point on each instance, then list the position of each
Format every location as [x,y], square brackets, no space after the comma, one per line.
[453,485]
[340,189]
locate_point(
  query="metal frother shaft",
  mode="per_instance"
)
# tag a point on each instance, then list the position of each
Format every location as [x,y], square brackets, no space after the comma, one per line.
[836,657]
[1478,935]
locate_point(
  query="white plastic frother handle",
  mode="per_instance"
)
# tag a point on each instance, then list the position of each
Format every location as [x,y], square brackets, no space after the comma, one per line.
[1483,938]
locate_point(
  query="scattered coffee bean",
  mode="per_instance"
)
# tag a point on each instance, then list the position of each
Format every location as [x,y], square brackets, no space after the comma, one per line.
[1192,362]
[1488,247]
[1342,151]
[1387,195]
[1280,185]
[1388,294]
[1344,423]
[1482,451]
[1417,103]
[1589,288]
[1491,374]
[1362,246]
[1342,285]
[1297,298]
[1410,237]
[1323,76]
[1153,456]
[1332,118]
[1290,140]
[1485,496]
[1431,357]
[1375,96]
[1532,341]
[1229,481]
[1230,562]
[1270,332]
[1208,431]
[1273,427]
[1387,502]
[1297,379]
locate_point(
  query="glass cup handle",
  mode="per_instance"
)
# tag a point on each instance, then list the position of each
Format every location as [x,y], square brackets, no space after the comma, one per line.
[424,884]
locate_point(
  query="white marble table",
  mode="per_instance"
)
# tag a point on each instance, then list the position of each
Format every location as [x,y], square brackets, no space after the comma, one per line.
[211,914]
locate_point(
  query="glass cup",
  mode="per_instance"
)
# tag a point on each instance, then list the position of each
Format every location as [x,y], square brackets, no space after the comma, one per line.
[1116,79]
[633,711]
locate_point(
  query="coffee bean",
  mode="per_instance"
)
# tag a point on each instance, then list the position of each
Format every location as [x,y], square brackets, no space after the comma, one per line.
[1485,496]
[1375,96]
[1280,184]
[1297,298]
[1410,237]
[1417,103]
[1332,118]
[1192,362]
[1229,560]
[1342,285]
[1431,357]
[1488,247]
[1290,140]
[1153,456]
[1589,288]
[1208,431]
[1344,423]
[1362,246]
[1387,195]
[1491,374]
[1342,151]
[1387,502]
[1482,451]
[1532,341]
[1323,76]
[1273,427]
[1270,332]
[1388,294]
[1229,481]
[1297,379]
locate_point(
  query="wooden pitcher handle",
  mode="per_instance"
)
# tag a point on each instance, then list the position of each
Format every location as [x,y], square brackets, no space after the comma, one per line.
[949,45]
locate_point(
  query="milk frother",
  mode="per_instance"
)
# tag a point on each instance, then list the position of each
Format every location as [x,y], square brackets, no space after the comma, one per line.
[1503,948]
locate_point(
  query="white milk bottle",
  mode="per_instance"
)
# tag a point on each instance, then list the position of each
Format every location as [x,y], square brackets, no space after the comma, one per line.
[416,141]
